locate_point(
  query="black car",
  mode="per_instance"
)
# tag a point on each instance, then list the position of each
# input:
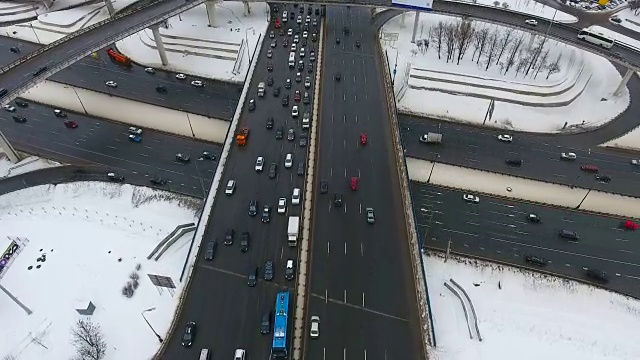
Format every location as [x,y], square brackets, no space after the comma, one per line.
[285,100]
[603,178]
[3,91]
[514,162]
[568,234]
[267,274]
[245,242]
[303,140]
[338,76]
[265,323]
[300,65]
[535,260]
[357,43]
[157,180]
[269,67]
[346,30]
[14,49]
[161,89]
[309,68]
[276,92]
[22,103]
[270,81]
[19,119]
[59,113]
[253,208]
[291,134]
[228,236]
[210,251]
[273,170]
[306,98]
[189,334]
[252,277]
[597,275]
[534,218]
[40,71]
[272,34]
[252,105]
[270,123]
[183,158]
[301,168]
[279,133]
[337,40]
[266,214]
[287,84]
[337,200]
[115,177]
[317,12]
[324,186]
[208,155]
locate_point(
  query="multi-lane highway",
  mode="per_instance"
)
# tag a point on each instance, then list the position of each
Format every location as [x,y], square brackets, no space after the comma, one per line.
[499,229]
[480,148]
[97,141]
[216,99]
[361,283]
[227,311]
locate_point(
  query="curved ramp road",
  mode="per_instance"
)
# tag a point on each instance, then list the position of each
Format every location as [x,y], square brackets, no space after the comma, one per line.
[498,229]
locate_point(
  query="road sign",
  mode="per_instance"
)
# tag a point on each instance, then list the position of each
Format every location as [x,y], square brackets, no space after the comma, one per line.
[386,36]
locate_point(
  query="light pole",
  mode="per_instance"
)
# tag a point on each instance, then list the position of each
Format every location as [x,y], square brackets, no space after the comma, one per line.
[147,321]
[35,33]
[204,192]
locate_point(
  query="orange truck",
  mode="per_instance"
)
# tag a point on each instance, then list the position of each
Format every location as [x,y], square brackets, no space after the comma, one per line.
[119,58]
[242,136]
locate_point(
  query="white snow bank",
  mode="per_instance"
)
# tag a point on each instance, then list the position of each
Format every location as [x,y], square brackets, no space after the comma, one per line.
[219,52]
[530,7]
[594,107]
[93,235]
[31,163]
[519,188]
[128,111]
[528,316]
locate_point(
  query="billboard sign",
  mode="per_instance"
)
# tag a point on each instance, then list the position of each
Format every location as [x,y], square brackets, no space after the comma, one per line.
[413,4]
[8,255]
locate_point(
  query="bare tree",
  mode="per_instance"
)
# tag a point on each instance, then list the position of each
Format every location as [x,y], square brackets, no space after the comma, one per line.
[524,58]
[542,63]
[535,55]
[554,67]
[88,341]
[505,41]
[464,32]
[437,36]
[10,357]
[480,41]
[515,48]
[492,50]
[450,40]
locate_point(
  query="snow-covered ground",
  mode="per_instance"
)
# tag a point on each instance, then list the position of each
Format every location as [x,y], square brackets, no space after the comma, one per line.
[56,24]
[484,182]
[628,141]
[527,316]
[17,11]
[530,96]
[630,19]
[221,51]
[128,111]
[530,7]
[30,163]
[92,237]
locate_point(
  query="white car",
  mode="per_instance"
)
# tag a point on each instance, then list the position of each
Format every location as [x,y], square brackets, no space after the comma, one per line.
[231,187]
[505,138]
[112,84]
[635,162]
[288,161]
[239,354]
[308,19]
[150,70]
[293,47]
[531,22]
[296,39]
[299,19]
[290,32]
[259,164]
[307,82]
[305,34]
[314,332]
[197,83]
[9,108]
[568,156]
[282,205]
[471,198]
[295,196]
[134,130]
[294,111]
[181,76]
[302,52]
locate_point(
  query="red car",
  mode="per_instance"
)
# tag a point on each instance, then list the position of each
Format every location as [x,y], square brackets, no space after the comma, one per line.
[363,139]
[71,124]
[589,168]
[296,97]
[278,25]
[630,225]
[354,183]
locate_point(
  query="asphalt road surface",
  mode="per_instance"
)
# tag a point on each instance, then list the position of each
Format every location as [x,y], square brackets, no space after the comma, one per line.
[96,141]
[227,311]
[480,148]
[216,99]
[361,279]
[498,229]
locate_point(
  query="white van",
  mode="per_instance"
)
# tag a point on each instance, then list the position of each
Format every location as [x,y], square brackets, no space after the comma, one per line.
[204,354]
[285,16]
[295,196]
[231,187]
[306,120]
[292,59]
[239,355]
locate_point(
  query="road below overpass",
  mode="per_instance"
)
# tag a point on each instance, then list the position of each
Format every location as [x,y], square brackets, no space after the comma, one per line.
[498,229]
[479,148]
[97,141]
[361,280]
[217,99]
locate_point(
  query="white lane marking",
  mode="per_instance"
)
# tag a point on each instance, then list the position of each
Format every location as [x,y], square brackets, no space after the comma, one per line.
[459,232]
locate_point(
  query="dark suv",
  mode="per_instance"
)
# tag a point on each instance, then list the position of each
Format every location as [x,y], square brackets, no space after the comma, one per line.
[252,277]
[337,200]
[266,214]
[253,208]
[535,260]
[210,251]
[267,274]
[228,236]
[568,234]
[245,242]
[597,275]
[265,323]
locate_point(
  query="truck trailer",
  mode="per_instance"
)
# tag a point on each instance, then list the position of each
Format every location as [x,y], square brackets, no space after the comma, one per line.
[431,138]
[292,230]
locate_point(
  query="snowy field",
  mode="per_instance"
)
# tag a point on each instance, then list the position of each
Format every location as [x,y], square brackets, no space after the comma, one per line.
[80,243]
[530,7]
[524,315]
[521,189]
[58,22]
[30,163]
[534,83]
[219,52]
[11,11]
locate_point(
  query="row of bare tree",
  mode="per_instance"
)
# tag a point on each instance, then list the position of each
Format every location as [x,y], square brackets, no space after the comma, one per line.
[492,46]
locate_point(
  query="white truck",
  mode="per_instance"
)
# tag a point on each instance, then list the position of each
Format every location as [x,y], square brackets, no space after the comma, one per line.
[261,89]
[431,138]
[292,230]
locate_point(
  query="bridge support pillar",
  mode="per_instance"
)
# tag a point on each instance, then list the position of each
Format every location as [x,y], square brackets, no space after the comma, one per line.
[11,153]
[110,7]
[247,8]
[158,39]
[402,17]
[415,27]
[211,11]
[623,83]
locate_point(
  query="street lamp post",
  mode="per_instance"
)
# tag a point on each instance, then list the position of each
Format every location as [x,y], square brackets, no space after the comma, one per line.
[35,33]
[148,323]
[204,191]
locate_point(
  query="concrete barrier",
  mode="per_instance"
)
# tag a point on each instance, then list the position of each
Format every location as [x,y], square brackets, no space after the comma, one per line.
[167,238]
[473,309]
[173,239]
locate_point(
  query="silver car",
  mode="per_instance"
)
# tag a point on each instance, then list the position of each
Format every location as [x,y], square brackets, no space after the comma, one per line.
[371,218]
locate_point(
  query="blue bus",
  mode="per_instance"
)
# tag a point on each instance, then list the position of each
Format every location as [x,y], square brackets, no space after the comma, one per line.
[281,320]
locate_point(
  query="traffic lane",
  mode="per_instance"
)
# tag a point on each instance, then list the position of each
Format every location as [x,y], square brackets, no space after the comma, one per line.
[215,99]
[7,56]
[539,163]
